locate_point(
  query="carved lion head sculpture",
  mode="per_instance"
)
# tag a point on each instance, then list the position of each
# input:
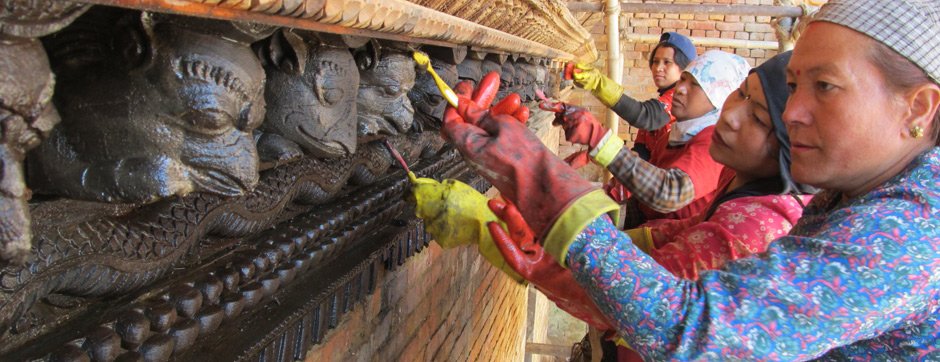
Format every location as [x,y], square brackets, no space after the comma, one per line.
[311,95]
[152,106]
[429,103]
[386,75]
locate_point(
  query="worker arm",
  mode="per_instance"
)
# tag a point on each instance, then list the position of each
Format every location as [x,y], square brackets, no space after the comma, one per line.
[795,302]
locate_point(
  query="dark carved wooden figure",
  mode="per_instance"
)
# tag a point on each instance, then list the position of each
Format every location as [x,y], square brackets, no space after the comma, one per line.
[507,80]
[26,112]
[311,91]
[493,63]
[427,99]
[152,106]
[387,74]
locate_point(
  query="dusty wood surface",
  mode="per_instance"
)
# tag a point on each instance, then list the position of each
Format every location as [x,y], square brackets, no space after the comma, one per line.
[546,31]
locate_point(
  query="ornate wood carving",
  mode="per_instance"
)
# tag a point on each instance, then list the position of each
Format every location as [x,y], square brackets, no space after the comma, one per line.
[26,111]
[404,21]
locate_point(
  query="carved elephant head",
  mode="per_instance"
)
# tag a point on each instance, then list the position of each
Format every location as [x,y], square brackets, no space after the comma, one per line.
[162,107]
[386,76]
[311,95]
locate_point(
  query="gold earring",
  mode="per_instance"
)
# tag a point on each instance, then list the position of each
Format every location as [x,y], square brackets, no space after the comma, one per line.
[916,131]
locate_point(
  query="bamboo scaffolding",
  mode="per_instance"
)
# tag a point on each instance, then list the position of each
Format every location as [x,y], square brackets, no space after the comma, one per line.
[708,42]
[631,7]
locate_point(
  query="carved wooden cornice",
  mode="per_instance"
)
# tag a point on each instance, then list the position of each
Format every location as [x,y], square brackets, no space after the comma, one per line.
[525,27]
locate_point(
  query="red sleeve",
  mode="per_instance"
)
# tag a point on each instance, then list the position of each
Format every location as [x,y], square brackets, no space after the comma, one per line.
[738,228]
[693,159]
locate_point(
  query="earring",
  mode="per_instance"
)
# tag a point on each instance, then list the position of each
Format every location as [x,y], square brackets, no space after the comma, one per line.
[916,131]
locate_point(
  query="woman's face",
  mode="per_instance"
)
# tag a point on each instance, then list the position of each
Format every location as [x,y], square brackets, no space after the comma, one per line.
[664,68]
[690,100]
[744,137]
[846,126]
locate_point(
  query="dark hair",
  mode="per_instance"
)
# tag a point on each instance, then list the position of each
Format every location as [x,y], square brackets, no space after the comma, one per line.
[678,56]
[902,75]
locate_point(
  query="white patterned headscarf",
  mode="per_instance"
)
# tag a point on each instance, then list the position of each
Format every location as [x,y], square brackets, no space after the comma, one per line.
[909,27]
[718,73]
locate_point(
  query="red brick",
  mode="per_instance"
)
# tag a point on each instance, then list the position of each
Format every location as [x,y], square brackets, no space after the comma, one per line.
[644,23]
[758,28]
[701,25]
[674,24]
[729,26]
[698,33]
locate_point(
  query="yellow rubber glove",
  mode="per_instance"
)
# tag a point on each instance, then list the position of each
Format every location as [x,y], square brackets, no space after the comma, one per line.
[605,89]
[456,214]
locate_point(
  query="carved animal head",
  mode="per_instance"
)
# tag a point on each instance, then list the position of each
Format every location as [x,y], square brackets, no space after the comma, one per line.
[507,79]
[491,64]
[26,112]
[164,109]
[470,69]
[428,102]
[311,94]
[26,117]
[384,83]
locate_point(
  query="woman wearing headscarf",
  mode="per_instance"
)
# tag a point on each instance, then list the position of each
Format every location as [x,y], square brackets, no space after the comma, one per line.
[757,199]
[857,276]
[680,178]
[652,117]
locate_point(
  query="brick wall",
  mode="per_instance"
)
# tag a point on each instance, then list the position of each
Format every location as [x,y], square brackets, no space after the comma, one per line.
[439,306]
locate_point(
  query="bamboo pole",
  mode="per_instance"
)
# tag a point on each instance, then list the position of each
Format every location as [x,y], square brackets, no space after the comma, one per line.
[708,42]
[631,7]
[614,66]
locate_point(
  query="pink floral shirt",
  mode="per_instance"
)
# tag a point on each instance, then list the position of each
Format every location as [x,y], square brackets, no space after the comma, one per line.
[739,228]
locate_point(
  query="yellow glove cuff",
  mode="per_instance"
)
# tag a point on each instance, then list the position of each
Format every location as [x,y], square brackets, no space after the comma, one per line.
[607,149]
[608,91]
[573,220]
[642,238]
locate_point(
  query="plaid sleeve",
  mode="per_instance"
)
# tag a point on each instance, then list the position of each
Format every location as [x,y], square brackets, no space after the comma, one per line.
[663,190]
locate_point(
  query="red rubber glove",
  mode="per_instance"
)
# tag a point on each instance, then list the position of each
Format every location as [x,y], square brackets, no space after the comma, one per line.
[580,125]
[511,157]
[616,191]
[529,260]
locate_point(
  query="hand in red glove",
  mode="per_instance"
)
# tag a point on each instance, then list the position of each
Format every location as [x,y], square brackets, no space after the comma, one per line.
[511,157]
[616,191]
[580,125]
[528,259]
[481,98]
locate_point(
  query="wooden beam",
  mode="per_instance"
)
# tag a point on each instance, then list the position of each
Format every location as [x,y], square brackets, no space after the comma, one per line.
[547,349]
[631,7]
[413,23]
